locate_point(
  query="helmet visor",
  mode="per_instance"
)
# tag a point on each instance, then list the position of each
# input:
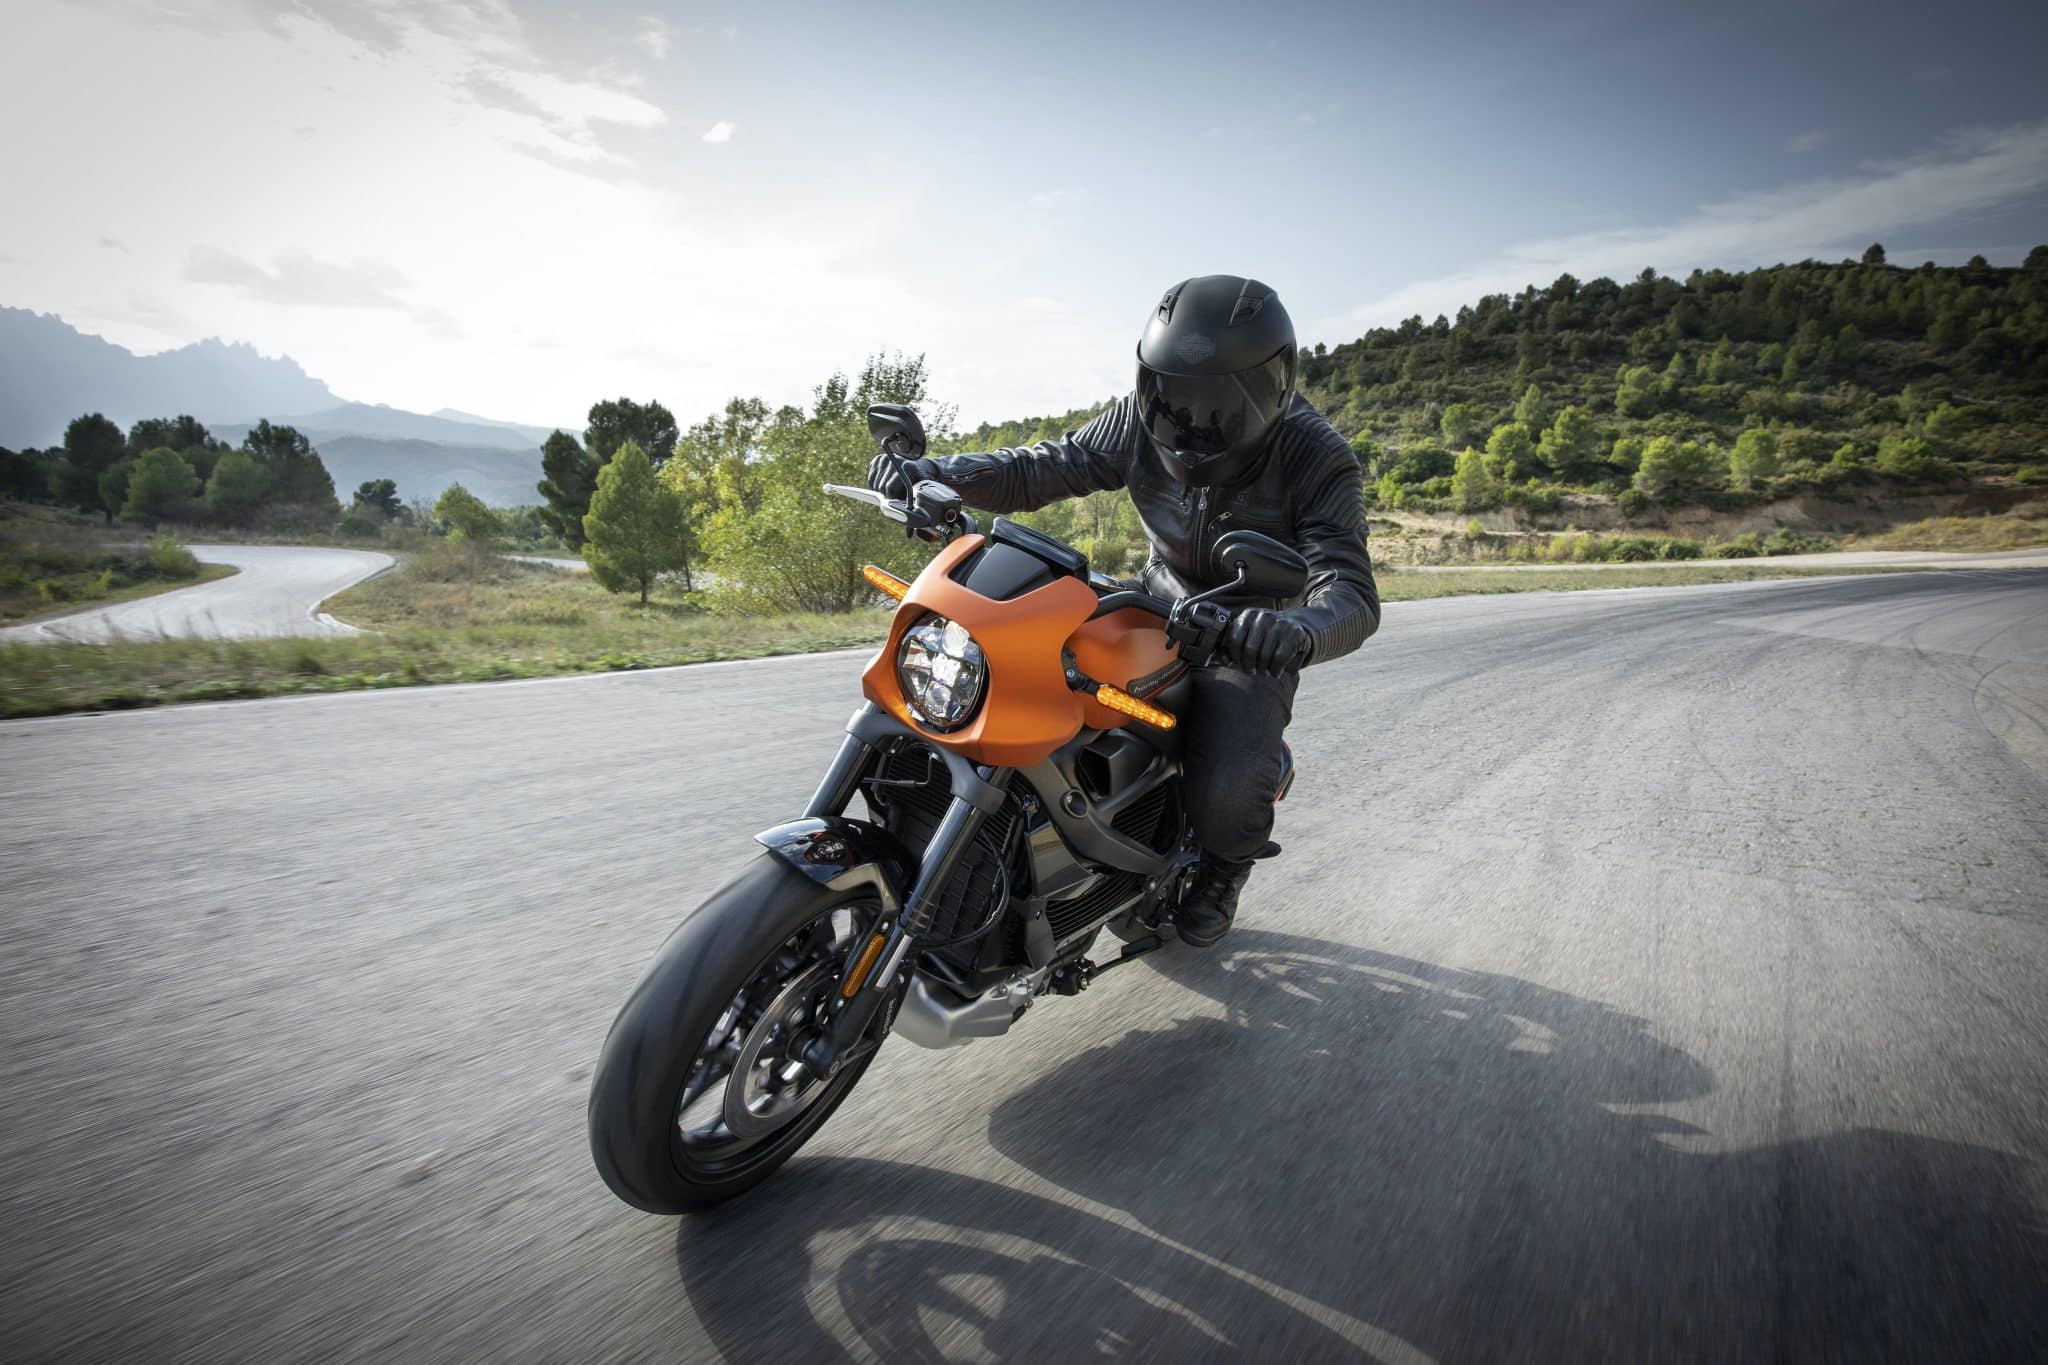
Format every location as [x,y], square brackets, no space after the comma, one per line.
[1211,414]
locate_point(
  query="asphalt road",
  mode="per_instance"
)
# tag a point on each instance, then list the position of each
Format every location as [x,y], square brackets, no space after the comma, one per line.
[277,591]
[1649,975]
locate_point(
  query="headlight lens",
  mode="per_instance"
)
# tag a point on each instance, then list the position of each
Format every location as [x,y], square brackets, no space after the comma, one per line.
[943,672]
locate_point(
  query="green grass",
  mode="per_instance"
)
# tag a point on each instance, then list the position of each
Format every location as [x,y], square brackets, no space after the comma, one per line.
[2021,528]
[51,564]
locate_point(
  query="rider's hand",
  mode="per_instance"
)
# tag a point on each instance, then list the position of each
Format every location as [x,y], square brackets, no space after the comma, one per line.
[1264,641]
[893,476]
[887,475]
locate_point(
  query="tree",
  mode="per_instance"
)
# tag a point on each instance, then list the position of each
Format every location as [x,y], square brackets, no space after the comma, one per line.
[778,543]
[379,496]
[1627,454]
[2037,259]
[113,488]
[710,466]
[1533,411]
[634,530]
[1472,484]
[1459,424]
[1754,459]
[1635,394]
[24,475]
[467,516]
[1510,451]
[92,444]
[568,478]
[237,489]
[1567,447]
[1910,457]
[185,434]
[1873,254]
[616,421]
[160,486]
[1671,466]
[296,475]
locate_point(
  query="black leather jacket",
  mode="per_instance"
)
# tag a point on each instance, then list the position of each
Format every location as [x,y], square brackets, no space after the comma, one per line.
[1305,489]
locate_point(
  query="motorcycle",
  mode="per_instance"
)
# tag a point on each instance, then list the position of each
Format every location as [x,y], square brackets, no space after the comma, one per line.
[1017,759]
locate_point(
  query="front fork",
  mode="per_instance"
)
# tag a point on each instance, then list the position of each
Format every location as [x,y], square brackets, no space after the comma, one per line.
[978,792]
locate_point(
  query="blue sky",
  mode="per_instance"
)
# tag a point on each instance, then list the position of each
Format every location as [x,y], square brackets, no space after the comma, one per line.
[515,208]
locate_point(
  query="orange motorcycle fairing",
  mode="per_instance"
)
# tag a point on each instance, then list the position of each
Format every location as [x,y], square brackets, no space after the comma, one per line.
[1029,710]
[1126,649]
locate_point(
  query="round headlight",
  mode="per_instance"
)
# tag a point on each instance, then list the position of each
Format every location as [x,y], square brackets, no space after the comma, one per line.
[942,671]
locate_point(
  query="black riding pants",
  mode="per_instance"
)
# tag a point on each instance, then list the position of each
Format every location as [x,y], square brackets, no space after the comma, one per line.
[1231,760]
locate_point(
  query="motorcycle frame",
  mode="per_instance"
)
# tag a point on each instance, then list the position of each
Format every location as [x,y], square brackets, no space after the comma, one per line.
[842,852]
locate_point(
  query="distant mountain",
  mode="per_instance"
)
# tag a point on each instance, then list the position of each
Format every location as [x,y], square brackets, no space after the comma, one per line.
[50,372]
[537,435]
[393,424]
[422,469]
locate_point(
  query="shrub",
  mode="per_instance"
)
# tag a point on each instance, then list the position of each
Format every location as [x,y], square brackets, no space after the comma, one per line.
[1106,554]
[1910,457]
[170,559]
[455,561]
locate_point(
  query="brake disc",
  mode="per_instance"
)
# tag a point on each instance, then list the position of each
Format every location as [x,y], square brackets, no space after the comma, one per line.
[762,1094]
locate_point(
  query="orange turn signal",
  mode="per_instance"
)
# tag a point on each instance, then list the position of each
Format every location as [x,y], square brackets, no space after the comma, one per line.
[882,581]
[1116,699]
[862,965]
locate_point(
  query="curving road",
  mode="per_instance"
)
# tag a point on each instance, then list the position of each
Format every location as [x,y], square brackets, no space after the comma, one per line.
[1649,975]
[277,590]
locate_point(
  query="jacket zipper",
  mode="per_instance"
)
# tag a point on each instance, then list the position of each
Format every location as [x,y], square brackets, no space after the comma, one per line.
[1201,538]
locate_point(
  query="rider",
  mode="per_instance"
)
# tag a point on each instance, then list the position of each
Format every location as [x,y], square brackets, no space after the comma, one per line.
[1213,439]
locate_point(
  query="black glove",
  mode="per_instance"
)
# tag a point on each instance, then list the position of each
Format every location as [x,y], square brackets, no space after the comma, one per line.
[893,476]
[1264,641]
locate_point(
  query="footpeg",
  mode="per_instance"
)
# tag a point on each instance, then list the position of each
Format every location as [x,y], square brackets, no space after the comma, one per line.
[1076,977]
[1136,948]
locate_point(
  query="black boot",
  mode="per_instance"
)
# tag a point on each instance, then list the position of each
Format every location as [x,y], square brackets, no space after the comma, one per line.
[1205,914]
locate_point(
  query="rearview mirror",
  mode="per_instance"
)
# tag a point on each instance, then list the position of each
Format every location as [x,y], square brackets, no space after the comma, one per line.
[1269,568]
[896,429]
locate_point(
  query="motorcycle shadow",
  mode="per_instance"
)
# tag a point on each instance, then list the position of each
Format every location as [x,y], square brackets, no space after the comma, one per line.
[853,1258]
[1370,1157]
[1477,1165]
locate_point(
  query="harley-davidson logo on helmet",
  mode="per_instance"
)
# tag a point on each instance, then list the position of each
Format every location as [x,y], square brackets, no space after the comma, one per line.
[1194,348]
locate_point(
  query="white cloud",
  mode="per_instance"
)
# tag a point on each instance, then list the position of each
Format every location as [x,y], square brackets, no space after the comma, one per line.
[1824,219]
[720,131]
[1806,142]
[299,280]
[653,36]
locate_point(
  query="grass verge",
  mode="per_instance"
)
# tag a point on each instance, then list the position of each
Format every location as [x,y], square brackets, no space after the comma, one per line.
[208,573]
[451,615]
[2021,528]
[49,567]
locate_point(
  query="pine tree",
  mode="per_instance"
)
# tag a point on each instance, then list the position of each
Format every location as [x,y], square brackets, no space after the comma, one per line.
[634,529]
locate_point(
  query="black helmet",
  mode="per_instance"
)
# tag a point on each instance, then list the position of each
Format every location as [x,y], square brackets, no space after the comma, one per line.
[1215,371]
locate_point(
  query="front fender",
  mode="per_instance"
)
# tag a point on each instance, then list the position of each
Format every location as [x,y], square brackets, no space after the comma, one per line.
[841,853]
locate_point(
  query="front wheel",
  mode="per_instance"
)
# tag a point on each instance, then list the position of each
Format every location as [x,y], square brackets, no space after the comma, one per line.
[695,1099]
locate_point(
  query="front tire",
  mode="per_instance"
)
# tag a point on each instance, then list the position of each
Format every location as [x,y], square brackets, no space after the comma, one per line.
[767,938]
